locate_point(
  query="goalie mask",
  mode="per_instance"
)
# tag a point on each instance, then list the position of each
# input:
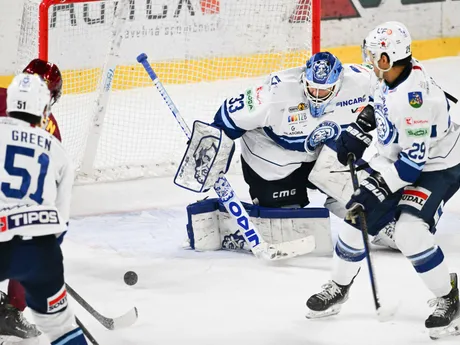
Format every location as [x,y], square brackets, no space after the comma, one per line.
[322,80]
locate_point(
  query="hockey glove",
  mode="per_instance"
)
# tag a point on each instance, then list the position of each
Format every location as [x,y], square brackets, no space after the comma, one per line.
[369,195]
[355,139]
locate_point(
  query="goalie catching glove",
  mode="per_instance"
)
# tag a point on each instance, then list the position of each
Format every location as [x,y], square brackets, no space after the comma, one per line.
[208,155]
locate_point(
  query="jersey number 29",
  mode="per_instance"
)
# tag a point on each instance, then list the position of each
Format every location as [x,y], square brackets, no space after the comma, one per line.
[12,152]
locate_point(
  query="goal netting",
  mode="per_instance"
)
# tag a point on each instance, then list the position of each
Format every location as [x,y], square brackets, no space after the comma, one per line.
[202,50]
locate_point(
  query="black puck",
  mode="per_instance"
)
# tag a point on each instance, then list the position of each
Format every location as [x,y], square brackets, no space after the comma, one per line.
[130,278]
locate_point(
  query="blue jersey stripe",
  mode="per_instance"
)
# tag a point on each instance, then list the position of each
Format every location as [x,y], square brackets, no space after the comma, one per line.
[289,143]
[223,120]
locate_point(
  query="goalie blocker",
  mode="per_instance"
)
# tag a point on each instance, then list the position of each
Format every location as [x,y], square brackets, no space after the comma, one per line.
[211,228]
[209,153]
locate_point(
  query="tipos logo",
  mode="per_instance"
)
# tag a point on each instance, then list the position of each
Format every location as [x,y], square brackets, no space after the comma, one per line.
[17,220]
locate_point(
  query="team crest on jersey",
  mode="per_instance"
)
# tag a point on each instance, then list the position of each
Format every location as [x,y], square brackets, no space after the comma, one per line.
[321,70]
[415,99]
[324,131]
[385,129]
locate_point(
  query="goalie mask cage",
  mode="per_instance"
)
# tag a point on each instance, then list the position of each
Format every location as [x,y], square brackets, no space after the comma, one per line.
[114,124]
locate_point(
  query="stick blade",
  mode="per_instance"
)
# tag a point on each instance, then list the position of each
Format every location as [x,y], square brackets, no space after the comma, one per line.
[125,320]
[287,250]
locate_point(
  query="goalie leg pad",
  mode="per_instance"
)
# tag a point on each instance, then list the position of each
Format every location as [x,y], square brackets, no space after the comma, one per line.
[203,225]
[211,228]
[208,154]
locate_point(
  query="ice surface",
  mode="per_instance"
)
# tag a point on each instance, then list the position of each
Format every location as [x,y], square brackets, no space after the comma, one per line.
[226,298]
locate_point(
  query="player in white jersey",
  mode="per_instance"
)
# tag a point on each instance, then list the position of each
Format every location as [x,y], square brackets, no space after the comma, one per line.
[282,125]
[12,322]
[284,122]
[416,171]
[36,185]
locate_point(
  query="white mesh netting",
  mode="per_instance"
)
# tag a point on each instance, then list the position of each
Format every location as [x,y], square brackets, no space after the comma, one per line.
[202,50]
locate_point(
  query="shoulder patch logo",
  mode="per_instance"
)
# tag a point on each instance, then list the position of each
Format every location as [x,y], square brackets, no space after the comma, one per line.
[415,99]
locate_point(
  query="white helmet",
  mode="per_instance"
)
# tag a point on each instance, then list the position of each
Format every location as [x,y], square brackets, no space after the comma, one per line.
[391,38]
[28,93]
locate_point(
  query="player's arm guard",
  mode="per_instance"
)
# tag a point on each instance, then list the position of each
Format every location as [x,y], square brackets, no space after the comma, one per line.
[208,154]
[210,227]
[331,177]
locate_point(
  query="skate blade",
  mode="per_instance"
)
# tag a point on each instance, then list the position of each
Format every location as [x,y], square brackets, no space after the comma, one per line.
[334,310]
[442,332]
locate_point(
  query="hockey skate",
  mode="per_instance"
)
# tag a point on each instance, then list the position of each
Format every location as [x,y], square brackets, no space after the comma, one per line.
[13,323]
[329,301]
[445,320]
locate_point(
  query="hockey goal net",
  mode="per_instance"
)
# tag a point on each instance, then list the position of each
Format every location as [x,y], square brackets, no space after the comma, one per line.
[202,50]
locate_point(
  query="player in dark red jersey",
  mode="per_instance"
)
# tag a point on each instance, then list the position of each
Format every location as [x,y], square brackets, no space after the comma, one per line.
[12,323]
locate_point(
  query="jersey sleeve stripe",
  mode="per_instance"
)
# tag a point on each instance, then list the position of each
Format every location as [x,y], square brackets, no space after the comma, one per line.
[295,144]
[408,171]
[222,120]
[419,166]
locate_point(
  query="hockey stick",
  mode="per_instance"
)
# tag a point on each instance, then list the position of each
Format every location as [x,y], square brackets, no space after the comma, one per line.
[382,315]
[122,321]
[86,332]
[230,200]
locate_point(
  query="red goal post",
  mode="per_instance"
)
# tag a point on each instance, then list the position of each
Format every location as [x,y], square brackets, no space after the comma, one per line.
[114,125]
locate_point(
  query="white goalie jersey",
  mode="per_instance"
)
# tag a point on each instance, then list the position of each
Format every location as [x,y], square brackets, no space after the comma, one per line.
[276,129]
[36,181]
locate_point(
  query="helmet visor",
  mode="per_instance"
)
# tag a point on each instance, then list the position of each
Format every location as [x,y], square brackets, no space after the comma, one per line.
[369,57]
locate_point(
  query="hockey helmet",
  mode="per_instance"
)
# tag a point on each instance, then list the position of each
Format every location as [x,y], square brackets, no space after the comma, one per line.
[391,38]
[50,73]
[28,93]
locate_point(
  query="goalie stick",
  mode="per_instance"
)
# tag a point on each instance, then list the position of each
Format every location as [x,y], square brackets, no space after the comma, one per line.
[122,321]
[383,315]
[230,200]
